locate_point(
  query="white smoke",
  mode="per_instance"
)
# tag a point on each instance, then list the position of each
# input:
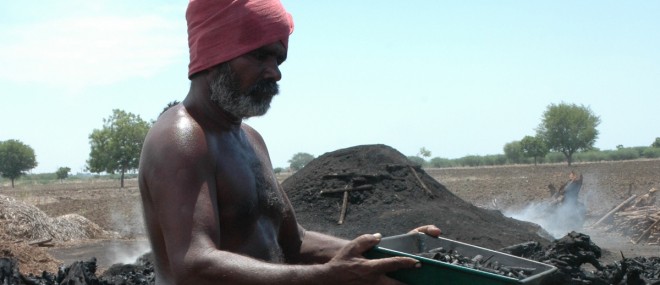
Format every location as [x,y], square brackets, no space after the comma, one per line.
[556,219]
[129,224]
[131,227]
[128,252]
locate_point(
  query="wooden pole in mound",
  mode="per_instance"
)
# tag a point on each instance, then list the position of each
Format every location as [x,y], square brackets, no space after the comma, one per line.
[610,213]
[344,205]
[359,188]
[426,189]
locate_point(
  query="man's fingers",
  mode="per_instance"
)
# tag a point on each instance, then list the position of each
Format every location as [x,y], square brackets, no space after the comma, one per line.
[394,263]
[431,230]
[362,243]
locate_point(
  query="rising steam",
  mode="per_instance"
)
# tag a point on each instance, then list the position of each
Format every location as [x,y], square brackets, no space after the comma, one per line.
[556,219]
[131,226]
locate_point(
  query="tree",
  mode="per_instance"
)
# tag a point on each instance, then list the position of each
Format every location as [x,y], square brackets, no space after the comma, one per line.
[568,128]
[534,147]
[656,143]
[299,160]
[116,147]
[514,152]
[62,173]
[15,158]
[169,105]
[423,152]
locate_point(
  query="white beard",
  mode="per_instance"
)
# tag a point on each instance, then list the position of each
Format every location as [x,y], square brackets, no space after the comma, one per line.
[226,93]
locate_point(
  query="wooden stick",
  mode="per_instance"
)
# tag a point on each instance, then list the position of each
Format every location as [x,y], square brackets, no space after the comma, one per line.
[636,213]
[359,188]
[41,242]
[339,175]
[344,205]
[646,232]
[610,213]
[426,189]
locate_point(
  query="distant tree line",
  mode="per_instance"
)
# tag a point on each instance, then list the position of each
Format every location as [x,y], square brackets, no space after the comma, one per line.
[594,155]
[567,133]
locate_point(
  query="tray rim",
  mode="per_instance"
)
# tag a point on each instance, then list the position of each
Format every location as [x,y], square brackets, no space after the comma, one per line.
[550,268]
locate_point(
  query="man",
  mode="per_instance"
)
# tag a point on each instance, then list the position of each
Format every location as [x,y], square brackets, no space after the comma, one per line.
[214,211]
[568,193]
[572,188]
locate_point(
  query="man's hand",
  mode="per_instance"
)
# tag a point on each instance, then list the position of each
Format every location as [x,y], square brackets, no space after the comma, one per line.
[351,268]
[428,229]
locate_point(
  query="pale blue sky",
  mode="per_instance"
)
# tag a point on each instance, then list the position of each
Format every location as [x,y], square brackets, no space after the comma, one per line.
[459,78]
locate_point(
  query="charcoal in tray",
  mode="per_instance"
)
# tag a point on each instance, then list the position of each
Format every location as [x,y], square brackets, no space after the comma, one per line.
[477,262]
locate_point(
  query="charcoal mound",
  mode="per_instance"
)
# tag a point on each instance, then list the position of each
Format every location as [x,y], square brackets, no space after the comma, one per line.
[390,195]
[570,252]
[82,273]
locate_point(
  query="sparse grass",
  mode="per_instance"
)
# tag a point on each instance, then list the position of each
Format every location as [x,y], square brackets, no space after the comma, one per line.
[51,179]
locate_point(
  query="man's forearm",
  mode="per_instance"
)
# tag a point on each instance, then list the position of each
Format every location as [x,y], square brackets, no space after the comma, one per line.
[222,267]
[319,248]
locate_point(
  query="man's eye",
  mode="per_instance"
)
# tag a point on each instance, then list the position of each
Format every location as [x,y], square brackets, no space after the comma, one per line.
[260,55]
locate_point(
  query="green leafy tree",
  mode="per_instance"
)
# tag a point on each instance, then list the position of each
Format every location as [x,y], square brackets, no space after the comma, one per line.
[62,173]
[656,143]
[116,147]
[568,128]
[534,147]
[299,160]
[15,158]
[514,152]
[169,105]
[423,152]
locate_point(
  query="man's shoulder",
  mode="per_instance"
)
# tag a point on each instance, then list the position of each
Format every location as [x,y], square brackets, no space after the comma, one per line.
[175,133]
[252,134]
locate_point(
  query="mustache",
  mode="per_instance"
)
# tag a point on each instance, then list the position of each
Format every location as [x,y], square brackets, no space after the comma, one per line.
[264,88]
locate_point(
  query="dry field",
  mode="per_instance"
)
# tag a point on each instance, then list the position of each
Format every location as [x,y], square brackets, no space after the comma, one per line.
[504,188]
[605,185]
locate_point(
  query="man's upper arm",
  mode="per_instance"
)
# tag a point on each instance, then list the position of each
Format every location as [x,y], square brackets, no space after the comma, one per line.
[180,181]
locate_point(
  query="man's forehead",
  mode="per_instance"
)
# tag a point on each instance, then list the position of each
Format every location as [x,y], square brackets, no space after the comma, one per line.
[277,49]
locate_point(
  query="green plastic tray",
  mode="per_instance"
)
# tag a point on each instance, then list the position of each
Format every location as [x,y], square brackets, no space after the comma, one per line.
[437,272]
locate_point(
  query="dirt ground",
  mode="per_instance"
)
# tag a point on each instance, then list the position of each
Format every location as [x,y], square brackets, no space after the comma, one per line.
[503,188]
[101,201]
[605,185]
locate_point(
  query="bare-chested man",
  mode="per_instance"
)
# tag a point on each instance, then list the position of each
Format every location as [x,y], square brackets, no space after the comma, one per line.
[214,211]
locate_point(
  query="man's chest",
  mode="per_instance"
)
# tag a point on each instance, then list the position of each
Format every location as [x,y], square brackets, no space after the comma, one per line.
[246,186]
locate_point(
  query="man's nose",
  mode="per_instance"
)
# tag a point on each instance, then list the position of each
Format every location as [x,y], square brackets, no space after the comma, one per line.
[272,71]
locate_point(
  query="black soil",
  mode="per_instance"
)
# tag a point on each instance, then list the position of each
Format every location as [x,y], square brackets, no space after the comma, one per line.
[397,202]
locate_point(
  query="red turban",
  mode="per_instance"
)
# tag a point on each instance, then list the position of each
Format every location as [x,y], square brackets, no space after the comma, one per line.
[220,30]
